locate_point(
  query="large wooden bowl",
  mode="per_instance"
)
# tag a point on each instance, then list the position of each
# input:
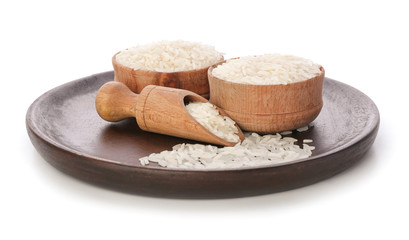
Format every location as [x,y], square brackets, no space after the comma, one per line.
[194,80]
[268,108]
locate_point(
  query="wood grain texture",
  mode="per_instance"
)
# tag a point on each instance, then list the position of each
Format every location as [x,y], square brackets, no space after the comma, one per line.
[66,130]
[115,102]
[157,109]
[194,80]
[268,108]
[163,111]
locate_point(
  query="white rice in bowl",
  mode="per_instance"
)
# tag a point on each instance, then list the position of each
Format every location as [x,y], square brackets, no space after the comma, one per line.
[169,56]
[268,69]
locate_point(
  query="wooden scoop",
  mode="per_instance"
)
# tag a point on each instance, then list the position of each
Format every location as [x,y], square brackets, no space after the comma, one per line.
[156,109]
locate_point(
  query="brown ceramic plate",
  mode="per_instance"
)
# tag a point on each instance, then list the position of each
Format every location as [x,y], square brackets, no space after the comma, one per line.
[68,133]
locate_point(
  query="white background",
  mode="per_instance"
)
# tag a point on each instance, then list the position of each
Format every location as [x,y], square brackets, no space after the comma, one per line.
[362,43]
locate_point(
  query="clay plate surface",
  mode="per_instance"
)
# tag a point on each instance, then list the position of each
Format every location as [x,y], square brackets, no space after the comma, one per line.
[66,130]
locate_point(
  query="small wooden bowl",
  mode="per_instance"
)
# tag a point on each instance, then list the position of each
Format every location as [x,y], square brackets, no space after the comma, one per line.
[193,80]
[268,108]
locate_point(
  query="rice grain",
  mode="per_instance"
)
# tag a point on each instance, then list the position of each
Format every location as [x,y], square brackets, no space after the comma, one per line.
[255,150]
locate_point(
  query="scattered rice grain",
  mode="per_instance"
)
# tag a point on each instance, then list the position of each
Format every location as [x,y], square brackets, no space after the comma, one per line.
[286,132]
[255,150]
[302,129]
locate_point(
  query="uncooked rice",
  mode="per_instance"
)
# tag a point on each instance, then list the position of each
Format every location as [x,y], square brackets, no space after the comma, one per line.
[303,129]
[169,56]
[209,117]
[268,69]
[255,150]
[286,132]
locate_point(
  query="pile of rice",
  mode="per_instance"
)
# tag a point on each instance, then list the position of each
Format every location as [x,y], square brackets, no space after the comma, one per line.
[169,56]
[268,69]
[209,117]
[255,150]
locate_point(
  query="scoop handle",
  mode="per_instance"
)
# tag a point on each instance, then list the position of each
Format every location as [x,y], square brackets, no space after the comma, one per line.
[115,102]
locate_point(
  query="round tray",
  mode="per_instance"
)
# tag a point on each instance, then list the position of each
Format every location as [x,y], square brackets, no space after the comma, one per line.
[66,130]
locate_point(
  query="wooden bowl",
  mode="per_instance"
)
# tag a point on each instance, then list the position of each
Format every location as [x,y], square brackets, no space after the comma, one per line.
[193,80]
[268,108]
